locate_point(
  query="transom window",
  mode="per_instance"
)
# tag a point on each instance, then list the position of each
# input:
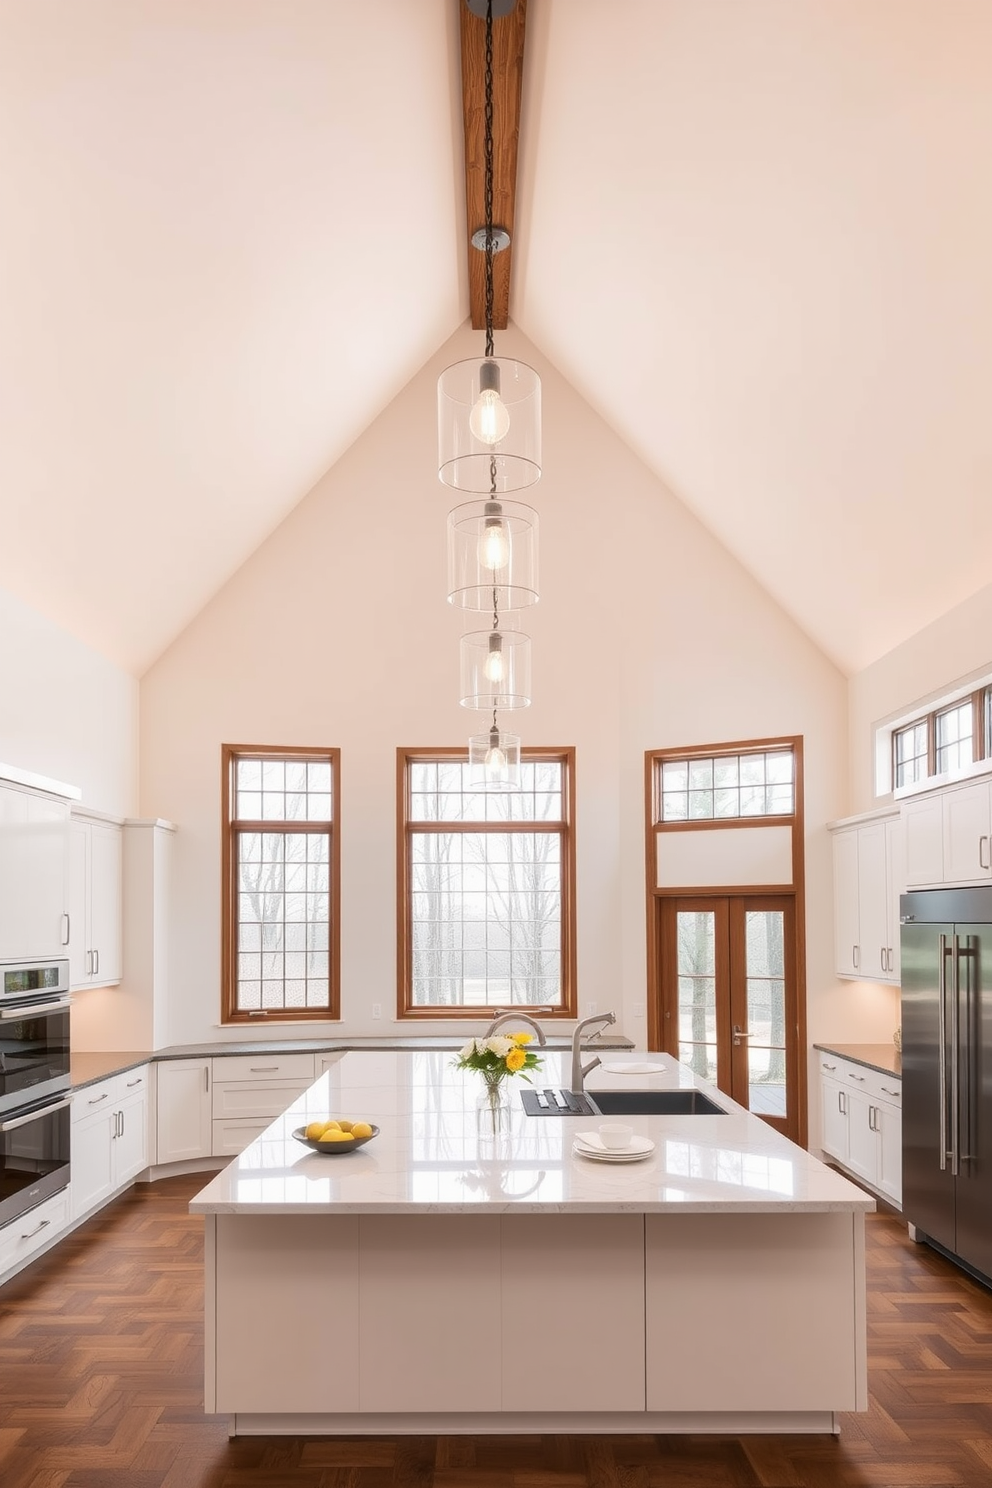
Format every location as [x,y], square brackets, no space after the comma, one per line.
[280,932]
[486,887]
[733,785]
[943,741]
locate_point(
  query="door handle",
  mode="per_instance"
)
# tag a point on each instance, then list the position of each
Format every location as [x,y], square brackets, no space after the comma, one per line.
[740,1035]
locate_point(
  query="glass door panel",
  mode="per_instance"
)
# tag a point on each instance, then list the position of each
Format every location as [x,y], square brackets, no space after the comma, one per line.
[696,969]
[764,949]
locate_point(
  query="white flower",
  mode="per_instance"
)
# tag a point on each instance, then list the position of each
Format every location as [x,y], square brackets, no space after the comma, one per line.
[468,1050]
[499,1045]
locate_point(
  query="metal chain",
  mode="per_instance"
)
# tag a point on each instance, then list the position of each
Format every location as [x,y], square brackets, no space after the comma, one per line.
[495,607]
[489,178]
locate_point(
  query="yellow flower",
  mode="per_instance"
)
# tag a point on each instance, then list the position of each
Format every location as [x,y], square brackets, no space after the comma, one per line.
[521,1038]
[516,1059]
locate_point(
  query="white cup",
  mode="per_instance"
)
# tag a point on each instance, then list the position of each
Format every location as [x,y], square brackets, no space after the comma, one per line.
[615,1136]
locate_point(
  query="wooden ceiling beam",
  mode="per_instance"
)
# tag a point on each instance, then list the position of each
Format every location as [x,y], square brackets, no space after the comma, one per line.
[508,64]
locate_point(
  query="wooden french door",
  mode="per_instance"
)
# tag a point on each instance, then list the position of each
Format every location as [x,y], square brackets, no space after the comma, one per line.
[729,1000]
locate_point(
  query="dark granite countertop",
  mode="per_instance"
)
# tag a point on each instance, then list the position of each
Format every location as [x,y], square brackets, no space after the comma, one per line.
[88,1067]
[885,1058]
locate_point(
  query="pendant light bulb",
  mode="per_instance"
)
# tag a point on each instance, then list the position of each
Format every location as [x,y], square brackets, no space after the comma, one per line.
[494,543]
[493,668]
[495,758]
[489,420]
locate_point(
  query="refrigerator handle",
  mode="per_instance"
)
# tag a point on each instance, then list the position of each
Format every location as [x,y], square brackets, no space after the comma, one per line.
[955,1059]
[942,1046]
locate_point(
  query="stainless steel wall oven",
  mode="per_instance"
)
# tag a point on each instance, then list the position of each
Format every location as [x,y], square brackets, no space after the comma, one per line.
[34,1083]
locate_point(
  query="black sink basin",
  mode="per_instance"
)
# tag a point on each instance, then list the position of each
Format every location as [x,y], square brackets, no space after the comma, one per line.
[653,1103]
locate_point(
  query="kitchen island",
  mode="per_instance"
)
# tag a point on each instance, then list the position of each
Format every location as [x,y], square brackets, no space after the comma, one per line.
[443,1280]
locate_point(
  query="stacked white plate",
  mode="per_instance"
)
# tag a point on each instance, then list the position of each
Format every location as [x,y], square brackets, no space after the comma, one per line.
[590,1144]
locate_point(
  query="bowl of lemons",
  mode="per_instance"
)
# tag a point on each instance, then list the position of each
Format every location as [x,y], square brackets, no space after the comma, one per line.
[335,1137]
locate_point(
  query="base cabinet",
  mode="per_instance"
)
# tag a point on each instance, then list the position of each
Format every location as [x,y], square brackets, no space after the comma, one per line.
[33,1232]
[109,1138]
[183,1110]
[249,1092]
[861,1123]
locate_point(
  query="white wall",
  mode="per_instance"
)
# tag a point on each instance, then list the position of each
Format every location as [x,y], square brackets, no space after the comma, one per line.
[67,712]
[336,632]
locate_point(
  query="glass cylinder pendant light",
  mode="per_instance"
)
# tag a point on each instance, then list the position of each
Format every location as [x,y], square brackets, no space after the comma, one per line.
[489,425]
[495,669]
[494,760]
[492,545]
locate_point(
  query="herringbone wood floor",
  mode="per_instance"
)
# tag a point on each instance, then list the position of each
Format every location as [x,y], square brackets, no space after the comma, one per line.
[101,1387]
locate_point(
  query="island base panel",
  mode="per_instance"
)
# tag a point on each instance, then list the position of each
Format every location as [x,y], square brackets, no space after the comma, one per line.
[530,1423]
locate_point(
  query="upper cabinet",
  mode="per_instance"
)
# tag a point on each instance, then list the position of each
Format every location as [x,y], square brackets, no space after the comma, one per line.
[949,836]
[95,902]
[868,879]
[34,837]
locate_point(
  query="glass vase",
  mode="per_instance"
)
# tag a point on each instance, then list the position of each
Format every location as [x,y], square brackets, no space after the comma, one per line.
[493,1107]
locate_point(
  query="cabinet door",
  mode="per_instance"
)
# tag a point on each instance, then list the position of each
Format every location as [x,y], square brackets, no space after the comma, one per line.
[895,883]
[79,944]
[888,1126]
[131,1139]
[924,842]
[847,932]
[92,1180]
[834,1135]
[967,856]
[183,1110]
[862,1153]
[34,847]
[873,902]
[105,887]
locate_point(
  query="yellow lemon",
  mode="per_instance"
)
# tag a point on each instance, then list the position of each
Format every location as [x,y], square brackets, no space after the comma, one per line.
[345,1126]
[314,1129]
[361,1129]
[337,1136]
[329,1126]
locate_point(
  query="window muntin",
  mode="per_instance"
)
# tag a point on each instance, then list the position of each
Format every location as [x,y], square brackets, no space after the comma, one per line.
[487,889]
[954,737]
[725,787]
[281,870]
[911,754]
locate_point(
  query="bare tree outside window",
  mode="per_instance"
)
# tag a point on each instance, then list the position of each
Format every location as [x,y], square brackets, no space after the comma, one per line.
[486,888]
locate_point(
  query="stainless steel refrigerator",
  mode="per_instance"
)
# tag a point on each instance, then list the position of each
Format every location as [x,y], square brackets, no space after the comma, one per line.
[947,1070]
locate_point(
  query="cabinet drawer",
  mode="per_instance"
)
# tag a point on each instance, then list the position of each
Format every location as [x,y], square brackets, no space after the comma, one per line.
[254,1067]
[24,1236]
[268,1099]
[232,1136]
[132,1082]
[94,1098]
[869,1082]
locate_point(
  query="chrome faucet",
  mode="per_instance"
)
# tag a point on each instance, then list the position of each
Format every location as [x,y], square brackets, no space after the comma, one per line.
[502,1016]
[579,1070]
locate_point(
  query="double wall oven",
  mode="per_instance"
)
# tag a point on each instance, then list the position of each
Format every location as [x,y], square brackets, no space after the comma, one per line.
[34,1083]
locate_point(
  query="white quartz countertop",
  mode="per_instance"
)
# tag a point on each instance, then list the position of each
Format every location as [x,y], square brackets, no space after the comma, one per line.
[433,1155]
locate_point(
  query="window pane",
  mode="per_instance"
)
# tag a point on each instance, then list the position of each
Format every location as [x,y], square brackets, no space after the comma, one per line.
[443,792]
[728,786]
[764,945]
[282,790]
[273,921]
[696,966]
[954,737]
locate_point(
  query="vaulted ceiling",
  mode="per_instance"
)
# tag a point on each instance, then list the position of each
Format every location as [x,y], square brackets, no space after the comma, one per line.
[754,234]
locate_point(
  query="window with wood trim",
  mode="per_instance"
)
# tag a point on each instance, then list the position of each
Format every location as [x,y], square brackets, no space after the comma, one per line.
[280,920]
[486,901]
[945,740]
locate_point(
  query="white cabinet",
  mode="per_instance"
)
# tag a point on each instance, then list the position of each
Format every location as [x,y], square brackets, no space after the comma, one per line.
[949,836]
[861,1122]
[34,849]
[868,867]
[183,1110]
[95,902]
[33,1232]
[109,1138]
[250,1091]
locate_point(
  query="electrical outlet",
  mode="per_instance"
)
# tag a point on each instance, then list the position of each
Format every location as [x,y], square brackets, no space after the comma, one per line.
[592,1007]
[377,1010]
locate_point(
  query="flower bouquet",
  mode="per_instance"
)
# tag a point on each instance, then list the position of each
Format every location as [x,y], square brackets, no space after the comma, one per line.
[496,1059]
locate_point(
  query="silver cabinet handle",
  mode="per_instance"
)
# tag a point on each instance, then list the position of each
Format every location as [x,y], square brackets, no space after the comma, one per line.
[852,1076]
[882,954]
[855,956]
[206,1078]
[121,1132]
[67,927]
[842,1102]
[115,1132]
[131,1083]
[983,843]
[873,1118]
[825,1065]
[263,1069]
[98,1098]
[89,963]
[29,1234]
[886,1091]
[96,963]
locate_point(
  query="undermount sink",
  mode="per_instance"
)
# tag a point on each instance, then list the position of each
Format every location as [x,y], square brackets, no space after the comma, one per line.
[619,1103]
[653,1103]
